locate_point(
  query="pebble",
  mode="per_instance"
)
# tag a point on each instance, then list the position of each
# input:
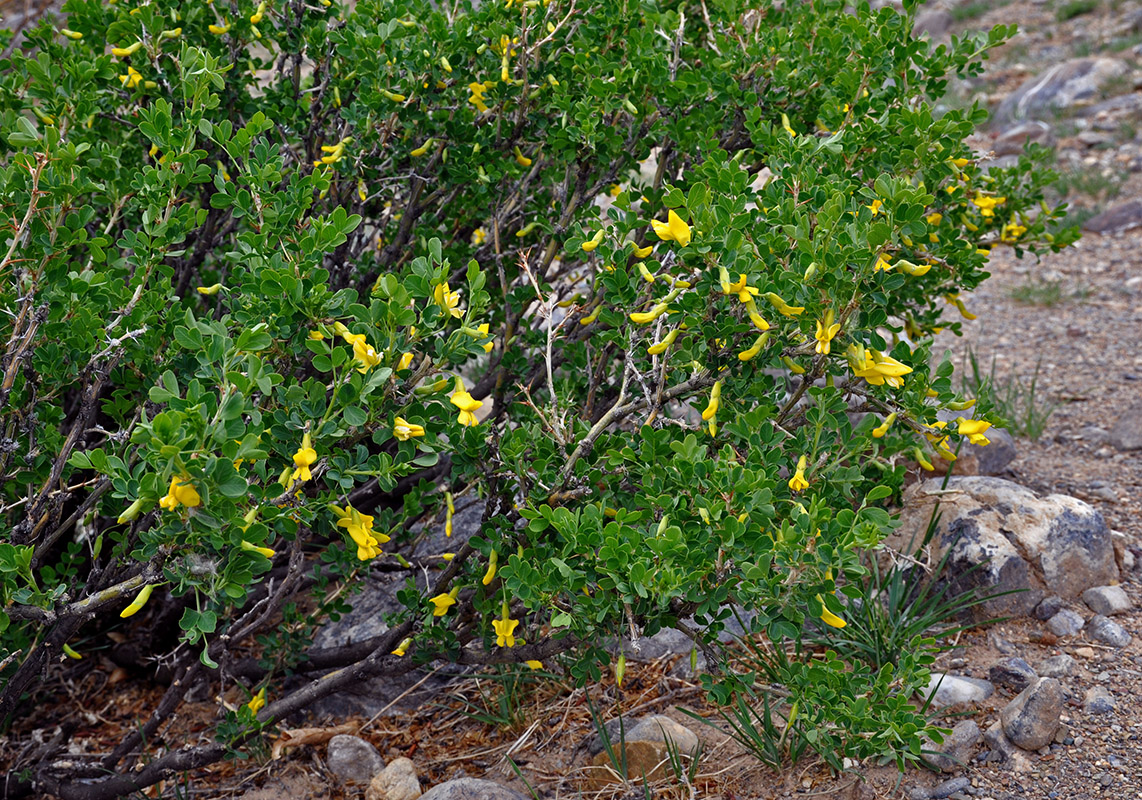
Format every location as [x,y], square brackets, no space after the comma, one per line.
[1031,719]
[955,750]
[1012,672]
[948,788]
[1065,623]
[397,781]
[1048,608]
[352,759]
[1107,600]
[471,789]
[1057,666]
[1084,652]
[1105,630]
[1098,701]
[947,690]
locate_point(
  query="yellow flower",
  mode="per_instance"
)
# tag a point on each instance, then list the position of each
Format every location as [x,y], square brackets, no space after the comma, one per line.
[754,317]
[664,345]
[479,236]
[139,601]
[403,647]
[594,241]
[955,300]
[181,492]
[360,529]
[826,331]
[829,618]
[987,204]
[642,252]
[490,574]
[209,291]
[673,230]
[448,300]
[715,402]
[218,30]
[744,292]
[876,368]
[798,483]
[783,308]
[441,603]
[644,317]
[477,98]
[123,52]
[316,336]
[303,459]
[935,218]
[405,430]
[974,429]
[921,460]
[73,35]
[533,664]
[746,355]
[882,263]
[505,628]
[882,429]
[1011,232]
[258,701]
[875,207]
[364,353]
[467,405]
[394,96]
[788,128]
[253,548]
[405,362]
[131,79]
[520,158]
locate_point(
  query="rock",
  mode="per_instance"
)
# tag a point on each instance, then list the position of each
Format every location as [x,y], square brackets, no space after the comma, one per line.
[1065,623]
[955,750]
[1066,85]
[1001,747]
[1085,652]
[1098,701]
[657,728]
[1116,219]
[1048,608]
[396,782]
[1107,631]
[615,731]
[949,787]
[948,690]
[471,789]
[1127,431]
[1107,600]
[1011,141]
[1031,719]
[995,457]
[1057,666]
[1001,536]
[352,759]
[1013,673]
[642,758]
[935,22]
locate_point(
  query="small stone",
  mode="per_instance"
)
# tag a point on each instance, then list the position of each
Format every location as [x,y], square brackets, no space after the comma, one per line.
[1127,431]
[949,787]
[1048,607]
[1031,719]
[1065,623]
[1107,600]
[1057,666]
[918,793]
[947,690]
[397,781]
[1062,734]
[955,750]
[1001,747]
[1105,630]
[1084,652]
[657,728]
[471,789]
[1013,673]
[1098,701]
[352,759]
[1106,780]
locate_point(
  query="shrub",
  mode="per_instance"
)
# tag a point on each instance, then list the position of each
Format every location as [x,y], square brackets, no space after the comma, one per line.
[285,280]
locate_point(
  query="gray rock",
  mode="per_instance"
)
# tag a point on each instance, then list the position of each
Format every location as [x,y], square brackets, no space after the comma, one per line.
[398,781]
[947,690]
[1066,85]
[1049,607]
[1001,747]
[1000,536]
[1011,141]
[994,458]
[1116,219]
[1127,431]
[949,787]
[352,759]
[1105,630]
[471,789]
[1057,666]
[1065,623]
[1098,701]
[657,728]
[1013,673]
[1031,719]
[955,750]
[1107,600]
